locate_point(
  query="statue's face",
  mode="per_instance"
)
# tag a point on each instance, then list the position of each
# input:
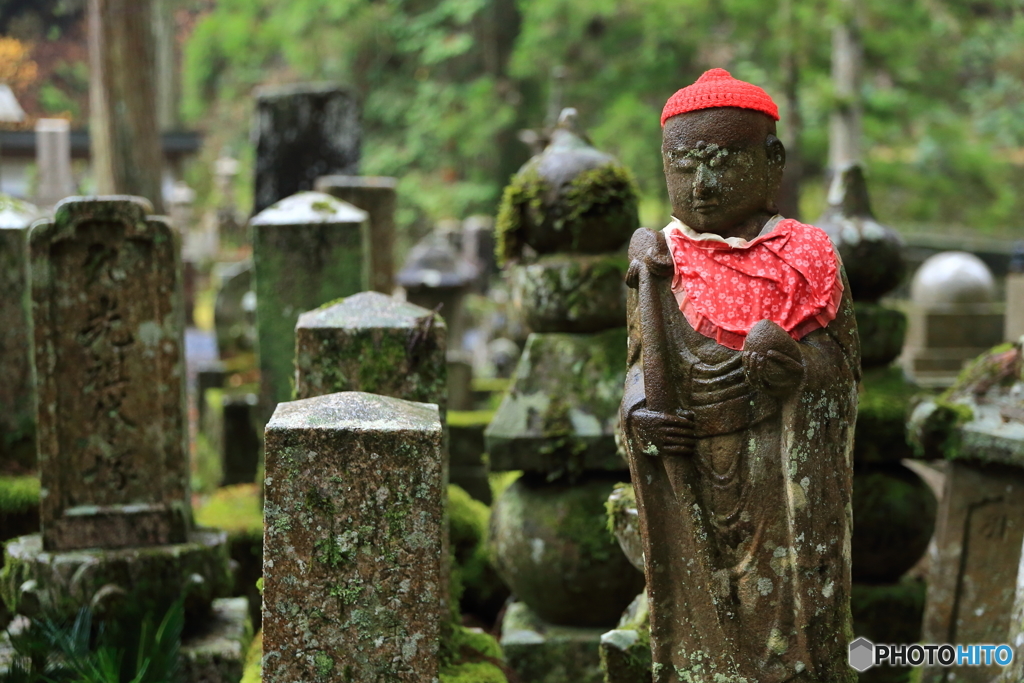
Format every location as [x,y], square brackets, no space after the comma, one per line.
[722,169]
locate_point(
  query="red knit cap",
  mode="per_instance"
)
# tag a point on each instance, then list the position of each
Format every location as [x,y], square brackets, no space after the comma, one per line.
[717,88]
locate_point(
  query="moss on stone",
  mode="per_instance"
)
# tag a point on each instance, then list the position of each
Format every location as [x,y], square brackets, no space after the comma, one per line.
[607,194]
[18,494]
[884,402]
[235,509]
[254,660]
[475,584]
[471,656]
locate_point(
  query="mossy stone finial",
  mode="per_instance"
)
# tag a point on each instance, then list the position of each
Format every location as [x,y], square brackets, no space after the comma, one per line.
[569,198]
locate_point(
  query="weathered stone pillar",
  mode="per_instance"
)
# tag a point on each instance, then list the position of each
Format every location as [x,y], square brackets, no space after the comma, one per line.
[376,196]
[116,515]
[974,569]
[303,131]
[17,390]
[53,161]
[353,571]
[557,422]
[371,342]
[308,249]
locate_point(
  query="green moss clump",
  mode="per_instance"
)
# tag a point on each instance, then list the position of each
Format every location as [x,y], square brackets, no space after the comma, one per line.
[528,209]
[253,672]
[235,509]
[475,586]
[470,418]
[623,498]
[500,481]
[471,656]
[18,494]
[1000,366]
[523,196]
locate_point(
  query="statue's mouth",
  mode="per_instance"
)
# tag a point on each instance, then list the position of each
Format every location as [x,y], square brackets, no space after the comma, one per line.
[705,207]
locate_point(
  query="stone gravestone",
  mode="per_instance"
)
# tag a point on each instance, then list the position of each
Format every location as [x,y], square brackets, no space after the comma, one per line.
[1014,323]
[110,377]
[953,317]
[112,447]
[302,132]
[308,249]
[376,196]
[17,391]
[354,563]
[53,161]
[373,343]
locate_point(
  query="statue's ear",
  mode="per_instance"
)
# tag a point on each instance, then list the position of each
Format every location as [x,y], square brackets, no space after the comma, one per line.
[776,154]
[776,165]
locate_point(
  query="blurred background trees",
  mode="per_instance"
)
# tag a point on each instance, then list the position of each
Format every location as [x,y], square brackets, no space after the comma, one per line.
[448,85]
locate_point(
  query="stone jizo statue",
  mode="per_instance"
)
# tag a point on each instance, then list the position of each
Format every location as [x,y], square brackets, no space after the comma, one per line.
[739,408]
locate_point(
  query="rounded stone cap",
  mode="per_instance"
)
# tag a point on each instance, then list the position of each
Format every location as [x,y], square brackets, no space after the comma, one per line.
[308,208]
[16,214]
[952,277]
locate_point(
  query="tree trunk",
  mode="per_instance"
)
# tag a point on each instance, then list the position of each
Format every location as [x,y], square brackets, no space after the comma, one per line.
[124,135]
[847,65]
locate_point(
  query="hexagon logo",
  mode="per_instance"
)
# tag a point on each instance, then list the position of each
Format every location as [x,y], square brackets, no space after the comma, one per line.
[862,654]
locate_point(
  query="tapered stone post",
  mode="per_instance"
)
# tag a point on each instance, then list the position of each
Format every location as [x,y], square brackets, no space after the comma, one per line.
[354,521]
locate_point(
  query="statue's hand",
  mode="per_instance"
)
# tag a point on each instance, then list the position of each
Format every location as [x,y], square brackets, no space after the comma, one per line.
[772,359]
[662,433]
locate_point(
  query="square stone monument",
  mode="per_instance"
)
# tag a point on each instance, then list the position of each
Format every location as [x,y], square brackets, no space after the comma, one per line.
[354,561]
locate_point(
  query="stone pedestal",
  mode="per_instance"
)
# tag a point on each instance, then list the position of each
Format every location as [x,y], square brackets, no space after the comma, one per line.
[217,653]
[941,339]
[545,653]
[354,559]
[17,390]
[376,196]
[308,249]
[303,131]
[234,309]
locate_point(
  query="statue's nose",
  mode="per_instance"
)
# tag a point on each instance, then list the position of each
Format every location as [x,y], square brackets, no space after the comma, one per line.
[703,182]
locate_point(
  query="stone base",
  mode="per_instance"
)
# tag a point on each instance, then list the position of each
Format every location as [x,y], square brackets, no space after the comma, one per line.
[888,613]
[216,654]
[625,657]
[544,653]
[117,582]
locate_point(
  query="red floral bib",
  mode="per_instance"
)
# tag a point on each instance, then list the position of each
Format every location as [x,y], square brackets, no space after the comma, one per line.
[789,276]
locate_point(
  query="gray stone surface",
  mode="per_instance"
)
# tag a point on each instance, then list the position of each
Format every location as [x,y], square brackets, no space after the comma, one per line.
[108,322]
[952,277]
[376,196]
[1014,323]
[308,249]
[115,583]
[572,292]
[374,343]
[561,411]
[234,309]
[17,391]
[354,569]
[303,131]
[240,442]
[975,562]
[53,161]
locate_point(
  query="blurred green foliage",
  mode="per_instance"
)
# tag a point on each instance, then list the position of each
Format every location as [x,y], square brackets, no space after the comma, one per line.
[447,85]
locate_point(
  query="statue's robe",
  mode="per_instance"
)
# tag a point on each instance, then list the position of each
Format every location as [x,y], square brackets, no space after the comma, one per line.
[746,541]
